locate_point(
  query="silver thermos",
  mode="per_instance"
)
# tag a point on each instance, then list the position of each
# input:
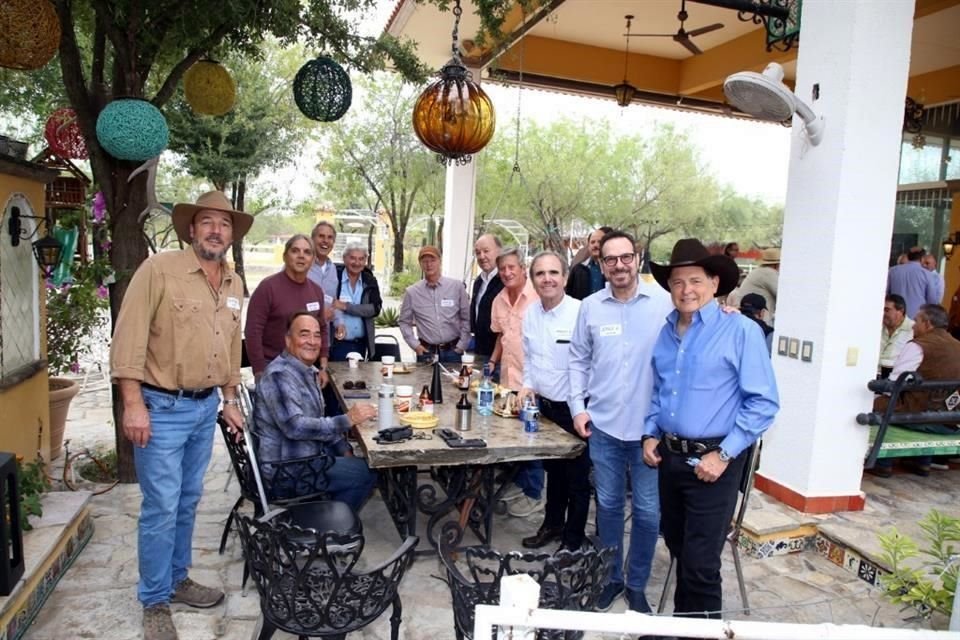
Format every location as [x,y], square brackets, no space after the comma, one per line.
[464,413]
[385,406]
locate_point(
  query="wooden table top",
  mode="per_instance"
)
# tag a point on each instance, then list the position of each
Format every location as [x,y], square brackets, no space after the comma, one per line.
[505,437]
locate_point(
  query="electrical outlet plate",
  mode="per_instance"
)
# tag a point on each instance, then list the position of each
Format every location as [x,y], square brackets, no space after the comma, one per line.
[782,342]
[794,348]
[806,351]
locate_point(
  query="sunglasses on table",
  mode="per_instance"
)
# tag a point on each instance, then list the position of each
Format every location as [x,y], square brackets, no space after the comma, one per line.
[350,384]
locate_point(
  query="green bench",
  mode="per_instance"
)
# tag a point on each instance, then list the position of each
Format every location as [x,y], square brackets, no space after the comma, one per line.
[890,439]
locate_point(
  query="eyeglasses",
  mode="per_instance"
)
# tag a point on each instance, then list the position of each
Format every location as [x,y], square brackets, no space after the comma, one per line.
[626,258]
[350,384]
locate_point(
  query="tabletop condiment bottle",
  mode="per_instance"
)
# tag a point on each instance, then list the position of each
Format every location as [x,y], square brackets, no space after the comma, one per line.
[426,402]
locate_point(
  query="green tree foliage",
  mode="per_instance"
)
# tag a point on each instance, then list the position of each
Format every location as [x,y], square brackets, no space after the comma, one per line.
[374,159]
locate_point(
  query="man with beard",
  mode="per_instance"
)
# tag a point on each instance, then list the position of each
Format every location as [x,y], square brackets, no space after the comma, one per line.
[610,387]
[277,298]
[176,341]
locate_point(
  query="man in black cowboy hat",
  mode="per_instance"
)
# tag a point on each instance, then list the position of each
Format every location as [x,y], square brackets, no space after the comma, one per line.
[714,394]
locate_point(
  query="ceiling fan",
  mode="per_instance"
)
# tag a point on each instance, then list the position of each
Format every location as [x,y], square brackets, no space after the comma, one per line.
[682,36]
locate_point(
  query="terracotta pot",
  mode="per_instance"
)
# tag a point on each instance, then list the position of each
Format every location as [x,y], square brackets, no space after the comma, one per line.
[62,391]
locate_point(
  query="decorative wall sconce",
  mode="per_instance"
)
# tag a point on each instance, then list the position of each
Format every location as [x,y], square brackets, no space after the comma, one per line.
[47,250]
[950,243]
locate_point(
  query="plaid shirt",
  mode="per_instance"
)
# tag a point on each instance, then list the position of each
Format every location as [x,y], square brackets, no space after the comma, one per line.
[288,414]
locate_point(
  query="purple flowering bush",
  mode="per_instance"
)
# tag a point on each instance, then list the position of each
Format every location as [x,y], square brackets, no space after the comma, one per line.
[75,312]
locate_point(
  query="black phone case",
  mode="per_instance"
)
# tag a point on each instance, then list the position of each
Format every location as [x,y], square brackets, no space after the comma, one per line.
[355,395]
[447,434]
[472,443]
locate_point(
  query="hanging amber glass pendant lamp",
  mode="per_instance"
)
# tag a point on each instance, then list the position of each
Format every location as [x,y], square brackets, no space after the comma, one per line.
[453,116]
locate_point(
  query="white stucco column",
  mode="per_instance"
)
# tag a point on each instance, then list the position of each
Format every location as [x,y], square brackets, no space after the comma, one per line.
[837,226]
[459,207]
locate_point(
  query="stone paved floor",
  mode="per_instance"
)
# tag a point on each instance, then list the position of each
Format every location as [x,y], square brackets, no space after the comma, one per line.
[96,598]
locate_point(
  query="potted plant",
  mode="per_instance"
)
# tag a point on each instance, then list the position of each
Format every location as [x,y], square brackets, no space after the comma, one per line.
[76,311]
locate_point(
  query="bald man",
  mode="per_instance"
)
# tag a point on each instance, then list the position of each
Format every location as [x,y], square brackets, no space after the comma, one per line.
[485,289]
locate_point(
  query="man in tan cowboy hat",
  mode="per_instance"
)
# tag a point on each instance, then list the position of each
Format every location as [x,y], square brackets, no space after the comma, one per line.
[714,394]
[762,280]
[177,341]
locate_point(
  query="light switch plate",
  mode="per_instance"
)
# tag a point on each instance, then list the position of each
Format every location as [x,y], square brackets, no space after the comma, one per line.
[806,351]
[794,348]
[853,354]
[782,342]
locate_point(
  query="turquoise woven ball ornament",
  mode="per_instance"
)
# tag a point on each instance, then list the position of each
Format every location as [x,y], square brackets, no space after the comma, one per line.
[132,129]
[322,90]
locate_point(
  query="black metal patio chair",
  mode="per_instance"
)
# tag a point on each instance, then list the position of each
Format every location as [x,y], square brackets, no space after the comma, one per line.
[570,580]
[309,582]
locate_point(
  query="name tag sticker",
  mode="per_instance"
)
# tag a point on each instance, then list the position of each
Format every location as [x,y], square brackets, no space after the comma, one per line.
[233,303]
[328,299]
[313,306]
[446,302]
[562,334]
[610,330]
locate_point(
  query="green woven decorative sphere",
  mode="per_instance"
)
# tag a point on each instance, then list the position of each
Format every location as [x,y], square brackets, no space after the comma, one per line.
[322,90]
[132,129]
[209,89]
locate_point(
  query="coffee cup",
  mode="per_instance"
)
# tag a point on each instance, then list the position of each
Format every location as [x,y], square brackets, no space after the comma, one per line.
[386,366]
[404,398]
[467,361]
[353,359]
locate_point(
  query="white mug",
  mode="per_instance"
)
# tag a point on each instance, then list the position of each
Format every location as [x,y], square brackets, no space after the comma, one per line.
[354,358]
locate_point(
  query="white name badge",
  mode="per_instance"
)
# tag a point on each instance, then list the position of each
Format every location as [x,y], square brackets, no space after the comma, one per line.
[610,330]
[328,299]
[562,334]
[233,303]
[313,306]
[446,302]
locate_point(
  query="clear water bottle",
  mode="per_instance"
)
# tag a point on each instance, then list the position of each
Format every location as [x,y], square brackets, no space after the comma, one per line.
[485,397]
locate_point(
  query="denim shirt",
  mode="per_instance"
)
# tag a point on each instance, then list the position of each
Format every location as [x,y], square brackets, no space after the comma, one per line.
[715,382]
[288,413]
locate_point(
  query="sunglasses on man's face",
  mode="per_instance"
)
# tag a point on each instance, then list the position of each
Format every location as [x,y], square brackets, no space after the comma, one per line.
[350,384]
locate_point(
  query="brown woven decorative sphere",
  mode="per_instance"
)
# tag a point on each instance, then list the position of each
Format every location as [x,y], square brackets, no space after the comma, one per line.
[453,116]
[29,34]
[209,89]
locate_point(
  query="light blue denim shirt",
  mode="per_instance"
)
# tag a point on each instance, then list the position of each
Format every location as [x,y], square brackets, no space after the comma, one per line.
[610,355]
[714,382]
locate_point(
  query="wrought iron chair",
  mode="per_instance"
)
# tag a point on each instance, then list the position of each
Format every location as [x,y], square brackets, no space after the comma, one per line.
[733,536]
[309,584]
[569,580]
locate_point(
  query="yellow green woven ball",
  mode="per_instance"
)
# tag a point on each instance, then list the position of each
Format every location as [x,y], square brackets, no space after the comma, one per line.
[29,34]
[209,89]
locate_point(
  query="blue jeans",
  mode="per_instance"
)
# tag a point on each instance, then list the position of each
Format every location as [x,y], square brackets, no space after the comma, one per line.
[340,348]
[350,480]
[612,459]
[170,469]
[530,478]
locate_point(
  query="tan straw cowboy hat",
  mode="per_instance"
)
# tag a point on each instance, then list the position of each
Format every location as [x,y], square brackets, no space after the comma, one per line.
[184,212]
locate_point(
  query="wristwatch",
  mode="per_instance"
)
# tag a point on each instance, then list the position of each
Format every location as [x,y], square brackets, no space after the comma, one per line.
[724,456]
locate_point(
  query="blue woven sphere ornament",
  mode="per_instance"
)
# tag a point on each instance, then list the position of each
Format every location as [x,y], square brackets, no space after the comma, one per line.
[322,90]
[132,129]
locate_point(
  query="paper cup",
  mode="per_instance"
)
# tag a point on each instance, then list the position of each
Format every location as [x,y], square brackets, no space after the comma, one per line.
[467,360]
[404,398]
[354,358]
[386,366]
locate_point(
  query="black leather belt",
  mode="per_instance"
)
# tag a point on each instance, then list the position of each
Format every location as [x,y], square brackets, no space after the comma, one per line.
[193,394]
[446,346]
[684,446]
[552,404]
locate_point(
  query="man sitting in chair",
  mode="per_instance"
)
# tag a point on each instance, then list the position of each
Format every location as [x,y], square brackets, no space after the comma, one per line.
[289,421]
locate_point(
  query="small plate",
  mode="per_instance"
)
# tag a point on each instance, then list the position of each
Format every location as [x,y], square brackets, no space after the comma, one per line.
[419,420]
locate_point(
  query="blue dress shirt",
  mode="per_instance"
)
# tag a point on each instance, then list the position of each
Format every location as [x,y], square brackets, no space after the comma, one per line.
[352,295]
[610,356]
[714,382]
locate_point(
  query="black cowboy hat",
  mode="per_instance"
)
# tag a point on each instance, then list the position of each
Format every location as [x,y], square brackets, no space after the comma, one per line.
[690,252]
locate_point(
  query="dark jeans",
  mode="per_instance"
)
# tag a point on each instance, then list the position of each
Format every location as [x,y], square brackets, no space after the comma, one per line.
[446,355]
[695,519]
[340,348]
[568,482]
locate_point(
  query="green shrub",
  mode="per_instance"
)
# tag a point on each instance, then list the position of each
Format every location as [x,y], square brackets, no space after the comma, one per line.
[32,482]
[389,317]
[928,586]
[400,282]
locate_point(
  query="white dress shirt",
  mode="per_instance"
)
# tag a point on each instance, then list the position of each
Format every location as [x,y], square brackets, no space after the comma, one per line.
[546,347]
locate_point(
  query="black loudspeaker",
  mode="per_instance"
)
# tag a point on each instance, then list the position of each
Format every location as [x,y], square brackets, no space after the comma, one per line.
[11,538]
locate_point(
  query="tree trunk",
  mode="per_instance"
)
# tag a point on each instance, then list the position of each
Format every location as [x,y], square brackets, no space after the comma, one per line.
[397,250]
[239,196]
[128,249]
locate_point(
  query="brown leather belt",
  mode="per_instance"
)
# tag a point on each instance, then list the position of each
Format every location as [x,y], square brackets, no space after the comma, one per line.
[193,394]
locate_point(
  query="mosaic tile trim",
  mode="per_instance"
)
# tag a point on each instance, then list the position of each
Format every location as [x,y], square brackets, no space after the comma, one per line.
[21,621]
[776,546]
[850,560]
